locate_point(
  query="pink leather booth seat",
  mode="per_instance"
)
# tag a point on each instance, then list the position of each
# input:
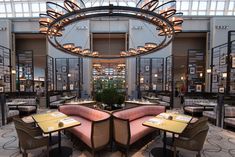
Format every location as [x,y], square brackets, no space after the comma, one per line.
[94,130]
[127,124]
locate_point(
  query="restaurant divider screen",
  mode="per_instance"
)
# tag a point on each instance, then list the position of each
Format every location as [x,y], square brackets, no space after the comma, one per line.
[150,75]
[223,66]
[169,73]
[50,74]
[196,71]
[68,74]
[231,68]
[5,69]
[24,71]
[169,77]
[219,68]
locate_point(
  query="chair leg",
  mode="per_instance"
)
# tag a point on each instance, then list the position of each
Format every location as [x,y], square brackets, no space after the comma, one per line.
[93,153]
[20,148]
[175,151]
[198,154]
[48,151]
[25,154]
[127,152]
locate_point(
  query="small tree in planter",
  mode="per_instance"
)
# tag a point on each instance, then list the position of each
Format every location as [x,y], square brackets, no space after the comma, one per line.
[111,96]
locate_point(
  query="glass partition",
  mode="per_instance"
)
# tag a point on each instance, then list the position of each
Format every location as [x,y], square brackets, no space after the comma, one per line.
[24,71]
[5,69]
[149,77]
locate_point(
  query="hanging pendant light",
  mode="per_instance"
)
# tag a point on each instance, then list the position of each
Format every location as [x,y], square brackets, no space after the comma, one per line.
[162,16]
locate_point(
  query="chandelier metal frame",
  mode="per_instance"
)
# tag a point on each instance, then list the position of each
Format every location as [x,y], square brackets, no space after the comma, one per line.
[163,17]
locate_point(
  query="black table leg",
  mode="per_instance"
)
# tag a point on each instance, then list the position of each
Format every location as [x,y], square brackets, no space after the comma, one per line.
[60,151]
[164,144]
[162,152]
[59,140]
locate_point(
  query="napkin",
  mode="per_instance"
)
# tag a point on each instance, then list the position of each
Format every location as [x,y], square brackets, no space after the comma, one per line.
[183,118]
[165,116]
[155,121]
[68,120]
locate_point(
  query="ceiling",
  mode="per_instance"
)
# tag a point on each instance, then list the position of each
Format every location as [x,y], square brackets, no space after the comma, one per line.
[32,8]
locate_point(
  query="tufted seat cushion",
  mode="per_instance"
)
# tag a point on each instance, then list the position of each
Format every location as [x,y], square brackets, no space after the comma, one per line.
[230,111]
[138,130]
[230,121]
[12,113]
[27,108]
[193,109]
[30,106]
[209,114]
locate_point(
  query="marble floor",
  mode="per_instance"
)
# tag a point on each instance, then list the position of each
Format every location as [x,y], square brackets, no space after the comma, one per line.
[219,143]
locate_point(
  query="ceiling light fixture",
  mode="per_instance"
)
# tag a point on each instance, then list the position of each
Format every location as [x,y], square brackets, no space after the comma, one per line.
[163,17]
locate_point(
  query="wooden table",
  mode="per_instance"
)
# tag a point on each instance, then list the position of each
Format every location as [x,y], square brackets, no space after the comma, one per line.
[173,126]
[50,125]
[48,116]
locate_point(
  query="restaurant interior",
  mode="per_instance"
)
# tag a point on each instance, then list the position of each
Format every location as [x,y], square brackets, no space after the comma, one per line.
[117,78]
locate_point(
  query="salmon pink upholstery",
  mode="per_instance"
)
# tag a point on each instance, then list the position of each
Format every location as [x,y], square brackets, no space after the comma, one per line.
[138,112]
[138,130]
[127,124]
[94,130]
[83,131]
[85,112]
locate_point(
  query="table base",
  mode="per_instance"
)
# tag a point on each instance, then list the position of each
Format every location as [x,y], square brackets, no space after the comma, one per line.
[158,152]
[62,152]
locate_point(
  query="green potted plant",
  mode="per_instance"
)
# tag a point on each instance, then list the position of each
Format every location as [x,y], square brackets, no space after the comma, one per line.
[110,96]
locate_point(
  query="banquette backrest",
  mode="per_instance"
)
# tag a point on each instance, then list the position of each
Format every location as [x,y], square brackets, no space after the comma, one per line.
[85,112]
[138,112]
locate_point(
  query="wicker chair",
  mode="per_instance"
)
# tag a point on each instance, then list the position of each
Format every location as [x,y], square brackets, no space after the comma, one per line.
[192,128]
[193,143]
[30,139]
[35,131]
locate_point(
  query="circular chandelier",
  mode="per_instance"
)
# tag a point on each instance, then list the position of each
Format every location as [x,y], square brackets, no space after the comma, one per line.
[162,16]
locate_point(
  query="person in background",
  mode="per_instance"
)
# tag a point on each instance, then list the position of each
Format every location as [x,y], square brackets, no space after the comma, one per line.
[176,92]
[38,93]
[182,92]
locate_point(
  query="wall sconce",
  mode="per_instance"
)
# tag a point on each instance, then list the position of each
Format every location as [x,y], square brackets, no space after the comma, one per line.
[155,75]
[137,27]
[1,86]
[182,77]
[82,27]
[224,75]
[208,71]
[69,75]
[201,74]
[3,28]
[13,71]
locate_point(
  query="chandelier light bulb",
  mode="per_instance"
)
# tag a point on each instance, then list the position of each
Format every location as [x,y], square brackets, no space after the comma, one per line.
[162,16]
